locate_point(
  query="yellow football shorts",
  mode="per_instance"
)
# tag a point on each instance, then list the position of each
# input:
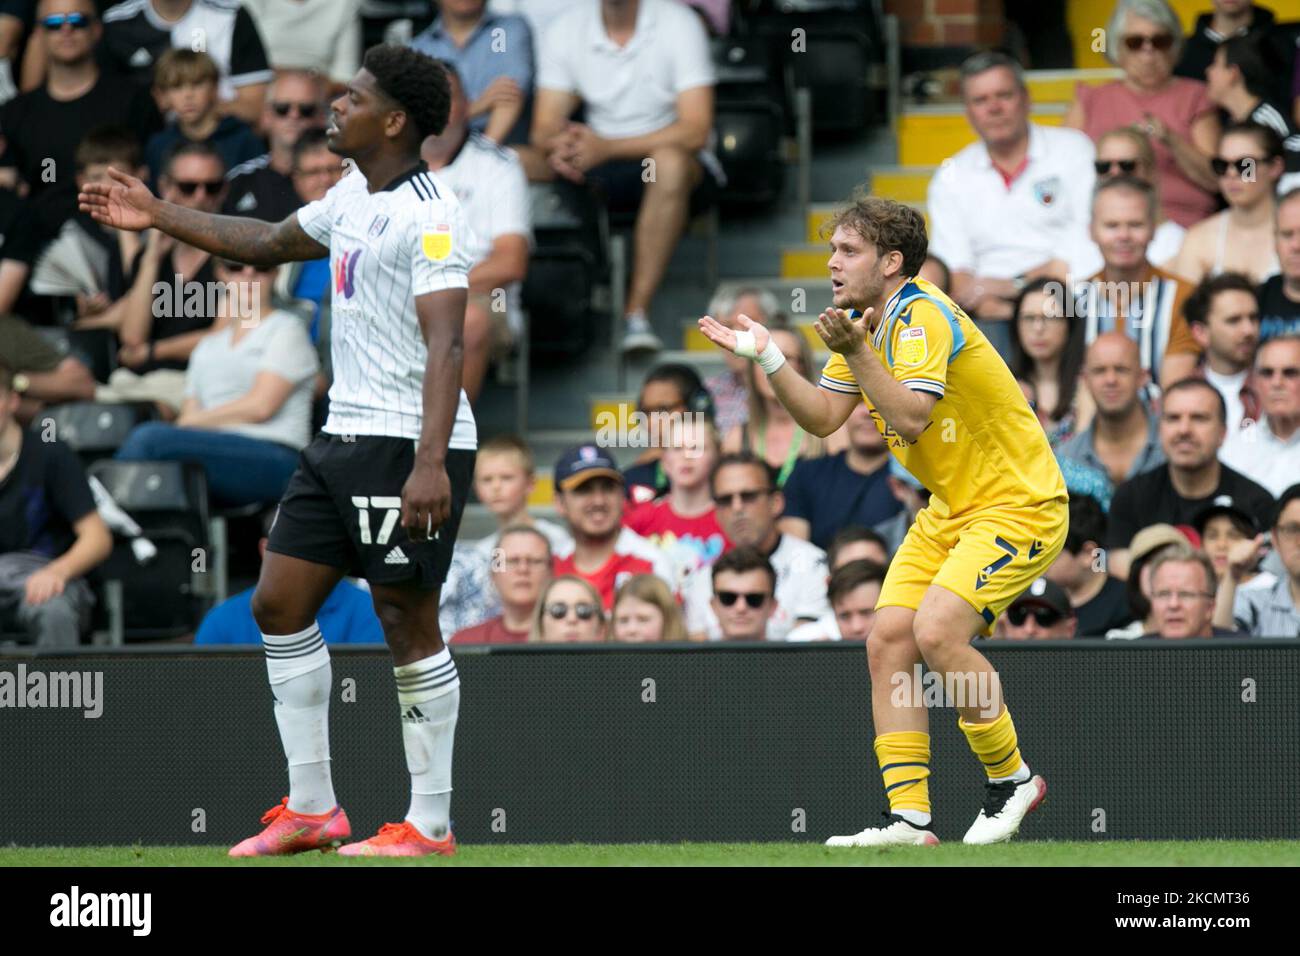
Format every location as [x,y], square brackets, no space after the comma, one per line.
[988,558]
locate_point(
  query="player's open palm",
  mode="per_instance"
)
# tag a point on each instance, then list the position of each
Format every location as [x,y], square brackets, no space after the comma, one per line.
[726,338]
[123,203]
[841,333]
[426,501]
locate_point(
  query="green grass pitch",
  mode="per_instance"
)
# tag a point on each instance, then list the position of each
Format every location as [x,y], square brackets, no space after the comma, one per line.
[1108,853]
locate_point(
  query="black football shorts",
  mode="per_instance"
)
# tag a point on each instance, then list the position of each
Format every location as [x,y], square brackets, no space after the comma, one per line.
[343,509]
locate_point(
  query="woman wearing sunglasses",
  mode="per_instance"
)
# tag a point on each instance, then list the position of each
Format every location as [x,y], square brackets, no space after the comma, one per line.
[1144,38]
[1241,238]
[569,612]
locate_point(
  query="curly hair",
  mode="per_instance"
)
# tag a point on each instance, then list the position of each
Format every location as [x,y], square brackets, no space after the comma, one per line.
[415,82]
[886,224]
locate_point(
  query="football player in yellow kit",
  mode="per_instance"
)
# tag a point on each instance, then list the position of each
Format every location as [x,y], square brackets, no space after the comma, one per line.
[953,415]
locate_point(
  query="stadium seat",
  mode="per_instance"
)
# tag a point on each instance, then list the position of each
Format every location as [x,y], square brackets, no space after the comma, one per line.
[165,597]
[94,429]
[749,148]
[750,117]
[567,262]
[843,41]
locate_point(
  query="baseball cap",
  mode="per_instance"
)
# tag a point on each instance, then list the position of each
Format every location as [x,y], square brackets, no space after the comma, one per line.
[1047,594]
[1226,505]
[583,462]
[1152,538]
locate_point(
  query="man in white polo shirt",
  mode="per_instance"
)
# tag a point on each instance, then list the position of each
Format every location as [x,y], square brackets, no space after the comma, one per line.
[1013,206]
[490,184]
[642,70]
[1268,451]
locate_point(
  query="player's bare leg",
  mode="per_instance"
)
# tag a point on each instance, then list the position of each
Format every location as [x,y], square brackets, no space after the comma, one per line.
[289,595]
[945,625]
[428,693]
[902,742]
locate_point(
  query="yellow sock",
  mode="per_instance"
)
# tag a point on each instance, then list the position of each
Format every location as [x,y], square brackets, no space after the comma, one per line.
[995,744]
[904,759]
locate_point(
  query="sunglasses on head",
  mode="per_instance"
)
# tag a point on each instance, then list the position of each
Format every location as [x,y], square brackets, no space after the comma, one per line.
[304,110]
[560,610]
[729,598]
[1104,166]
[1161,41]
[188,186]
[1043,616]
[78,21]
[1240,166]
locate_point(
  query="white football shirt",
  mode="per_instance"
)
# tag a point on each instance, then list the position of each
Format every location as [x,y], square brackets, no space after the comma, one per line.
[408,239]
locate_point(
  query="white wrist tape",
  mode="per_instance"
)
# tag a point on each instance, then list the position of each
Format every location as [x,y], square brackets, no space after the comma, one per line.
[771,359]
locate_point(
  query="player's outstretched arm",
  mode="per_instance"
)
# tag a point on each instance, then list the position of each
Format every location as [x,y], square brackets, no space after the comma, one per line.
[127,203]
[815,409]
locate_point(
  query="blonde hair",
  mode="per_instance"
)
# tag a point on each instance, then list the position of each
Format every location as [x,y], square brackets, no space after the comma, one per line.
[652,590]
[535,632]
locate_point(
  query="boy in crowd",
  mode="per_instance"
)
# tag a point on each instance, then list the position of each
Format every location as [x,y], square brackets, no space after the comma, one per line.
[186,85]
[503,480]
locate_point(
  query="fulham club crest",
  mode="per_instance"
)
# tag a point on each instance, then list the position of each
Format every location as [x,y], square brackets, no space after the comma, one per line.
[378,226]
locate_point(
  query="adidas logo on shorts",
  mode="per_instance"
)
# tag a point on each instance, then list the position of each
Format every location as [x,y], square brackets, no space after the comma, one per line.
[396,557]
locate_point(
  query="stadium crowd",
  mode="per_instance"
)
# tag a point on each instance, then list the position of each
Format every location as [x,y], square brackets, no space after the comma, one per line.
[1138,267]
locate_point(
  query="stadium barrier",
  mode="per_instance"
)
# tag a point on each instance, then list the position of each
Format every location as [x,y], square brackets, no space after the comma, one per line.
[1137,740]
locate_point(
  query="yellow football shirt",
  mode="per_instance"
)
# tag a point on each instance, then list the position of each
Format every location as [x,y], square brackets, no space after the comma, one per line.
[984,447]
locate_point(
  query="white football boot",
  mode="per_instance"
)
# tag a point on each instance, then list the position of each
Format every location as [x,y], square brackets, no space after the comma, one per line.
[1005,806]
[897,832]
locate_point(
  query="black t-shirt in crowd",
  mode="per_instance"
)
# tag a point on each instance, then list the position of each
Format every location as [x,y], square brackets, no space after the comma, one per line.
[831,496]
[1107,609]
[42,498]
[38,128]
[172,318]
[255,189]
[135,37]
[1278,315]
[1150,498]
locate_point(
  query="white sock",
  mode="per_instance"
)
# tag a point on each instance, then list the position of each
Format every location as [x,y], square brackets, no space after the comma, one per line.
[298,666]
[914,816]
[1020,776]
[429,694]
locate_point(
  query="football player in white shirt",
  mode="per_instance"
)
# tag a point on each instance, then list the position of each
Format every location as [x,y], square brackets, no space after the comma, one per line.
[380,490]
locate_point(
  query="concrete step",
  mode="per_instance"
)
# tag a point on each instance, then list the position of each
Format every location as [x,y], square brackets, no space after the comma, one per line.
[927,135]
[1058,86]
